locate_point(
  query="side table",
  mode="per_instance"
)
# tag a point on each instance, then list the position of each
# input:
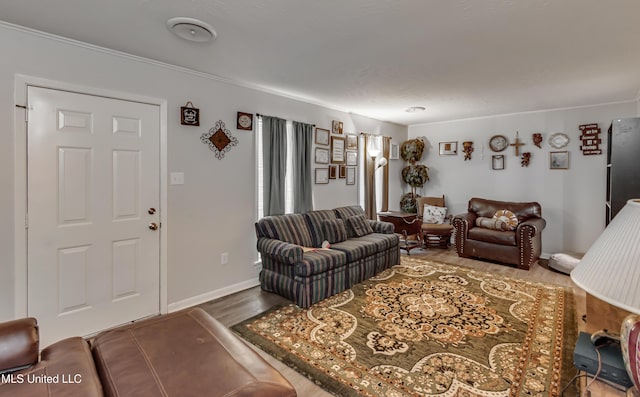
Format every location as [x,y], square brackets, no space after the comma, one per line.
[405,224]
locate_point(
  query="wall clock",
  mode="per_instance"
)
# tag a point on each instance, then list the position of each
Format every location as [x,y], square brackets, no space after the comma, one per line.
[498,143]
[245,121]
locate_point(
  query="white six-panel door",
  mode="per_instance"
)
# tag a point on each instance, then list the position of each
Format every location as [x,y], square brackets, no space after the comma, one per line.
[93,257]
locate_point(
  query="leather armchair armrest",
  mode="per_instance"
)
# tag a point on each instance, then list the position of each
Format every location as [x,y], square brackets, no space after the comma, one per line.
[19,344]
[284,252]
[537,224]
[469,218]
[382,227]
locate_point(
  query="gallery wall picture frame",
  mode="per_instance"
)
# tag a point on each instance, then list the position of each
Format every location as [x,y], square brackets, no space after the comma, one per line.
[342,171]
[352,142]
[322,136]
[497,162]
[333,172]
[322,176]
[448,148]
[322,156]
[189,115]
[559,160]
[394,151]
[244,121]
[337,150]
[352,158]
[351,175]
[336,127]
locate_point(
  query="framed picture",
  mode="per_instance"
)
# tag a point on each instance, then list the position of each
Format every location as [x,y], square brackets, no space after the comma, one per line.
[322,155]
[244,121]
[343,172]
[394,151]
[322,176]
[336,127]
[352,158]
[333,172]
[559,160]
[351,175]
[337,150]
[448,148]
[322,136]
[352,142]
[497,162]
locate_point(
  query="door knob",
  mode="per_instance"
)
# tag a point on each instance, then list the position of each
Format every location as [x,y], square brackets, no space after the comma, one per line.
[151,211]
[153,226]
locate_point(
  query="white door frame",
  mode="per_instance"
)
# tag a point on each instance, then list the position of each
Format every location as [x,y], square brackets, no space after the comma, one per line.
[20,178]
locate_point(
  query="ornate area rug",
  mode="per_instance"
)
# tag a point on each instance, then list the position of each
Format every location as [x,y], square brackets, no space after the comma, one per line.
[424,328]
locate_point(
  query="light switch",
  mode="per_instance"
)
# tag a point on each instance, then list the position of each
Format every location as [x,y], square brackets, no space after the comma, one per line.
[176,178]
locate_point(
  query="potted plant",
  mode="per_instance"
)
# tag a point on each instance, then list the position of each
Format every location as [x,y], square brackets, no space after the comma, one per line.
[415,175]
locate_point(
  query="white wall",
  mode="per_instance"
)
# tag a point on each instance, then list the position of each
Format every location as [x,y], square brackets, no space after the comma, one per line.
[572,200]
[213,212]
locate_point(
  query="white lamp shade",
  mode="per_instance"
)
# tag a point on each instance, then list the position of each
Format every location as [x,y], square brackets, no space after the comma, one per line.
[610,270]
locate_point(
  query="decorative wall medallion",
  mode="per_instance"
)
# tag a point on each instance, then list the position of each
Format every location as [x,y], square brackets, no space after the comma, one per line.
[525,159]
[558,140]
[467,148]
[498,143]
[189,115]
[537,139]
[245,121]
[219,139]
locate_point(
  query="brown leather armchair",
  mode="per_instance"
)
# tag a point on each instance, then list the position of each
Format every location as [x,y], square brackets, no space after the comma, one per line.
[521,247]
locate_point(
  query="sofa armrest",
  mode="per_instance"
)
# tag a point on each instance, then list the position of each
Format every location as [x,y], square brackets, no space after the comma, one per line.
[537,224]
[469,218]
[19,344]
[286,252]
[382,227]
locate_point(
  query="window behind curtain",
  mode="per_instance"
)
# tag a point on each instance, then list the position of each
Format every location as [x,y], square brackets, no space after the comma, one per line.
[288,184]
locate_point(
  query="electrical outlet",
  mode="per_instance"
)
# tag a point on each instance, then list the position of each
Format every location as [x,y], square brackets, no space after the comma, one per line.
[224,258]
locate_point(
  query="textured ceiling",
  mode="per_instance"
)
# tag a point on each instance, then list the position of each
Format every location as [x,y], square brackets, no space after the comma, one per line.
[457,58]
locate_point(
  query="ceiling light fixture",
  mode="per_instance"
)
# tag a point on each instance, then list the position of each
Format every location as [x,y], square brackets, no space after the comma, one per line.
[191,29]
[415,109]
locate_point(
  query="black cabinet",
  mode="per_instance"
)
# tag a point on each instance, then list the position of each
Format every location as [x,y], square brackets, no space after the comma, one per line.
[623,164]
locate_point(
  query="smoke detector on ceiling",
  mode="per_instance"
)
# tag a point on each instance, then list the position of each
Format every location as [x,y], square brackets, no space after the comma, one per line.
[191,29]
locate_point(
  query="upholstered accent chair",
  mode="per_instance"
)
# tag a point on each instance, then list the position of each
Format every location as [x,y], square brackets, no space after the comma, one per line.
[507,232]
[436,226]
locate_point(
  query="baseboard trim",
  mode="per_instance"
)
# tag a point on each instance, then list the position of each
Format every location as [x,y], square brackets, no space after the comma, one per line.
[211,295]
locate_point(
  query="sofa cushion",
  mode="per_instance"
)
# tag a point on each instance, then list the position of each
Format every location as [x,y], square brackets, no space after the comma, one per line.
[491,223]
[509,218]
[334,230]
[70,362]
[319,261]
[186,353]
[314,220]
[349,211]
[358,226]
[357,248]
[433,214]
[492,236]
[290,228]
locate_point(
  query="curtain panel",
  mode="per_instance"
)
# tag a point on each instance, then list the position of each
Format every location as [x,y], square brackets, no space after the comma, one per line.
[302,141]
[274,154]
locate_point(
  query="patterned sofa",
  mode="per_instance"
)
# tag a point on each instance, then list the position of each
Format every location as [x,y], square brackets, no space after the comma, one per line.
[295,265]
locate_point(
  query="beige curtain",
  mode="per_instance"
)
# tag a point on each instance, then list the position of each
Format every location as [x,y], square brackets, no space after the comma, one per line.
[386,147]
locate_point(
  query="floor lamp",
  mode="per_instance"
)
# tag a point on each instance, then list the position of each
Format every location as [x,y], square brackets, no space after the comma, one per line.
[610,271]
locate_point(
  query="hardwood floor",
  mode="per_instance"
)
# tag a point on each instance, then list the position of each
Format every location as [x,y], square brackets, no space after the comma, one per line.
[243,305]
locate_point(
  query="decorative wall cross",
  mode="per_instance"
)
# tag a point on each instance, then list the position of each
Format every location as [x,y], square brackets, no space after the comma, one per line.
[517,144]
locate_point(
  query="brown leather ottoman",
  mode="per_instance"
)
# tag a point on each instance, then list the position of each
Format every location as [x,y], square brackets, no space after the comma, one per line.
[187,353]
